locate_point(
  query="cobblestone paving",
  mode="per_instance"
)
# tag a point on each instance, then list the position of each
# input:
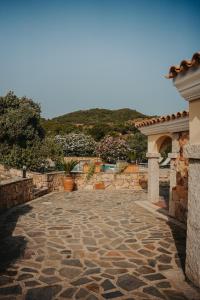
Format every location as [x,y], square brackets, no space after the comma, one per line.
[91,245]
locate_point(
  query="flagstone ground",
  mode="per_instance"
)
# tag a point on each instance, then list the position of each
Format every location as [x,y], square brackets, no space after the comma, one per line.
[91,245]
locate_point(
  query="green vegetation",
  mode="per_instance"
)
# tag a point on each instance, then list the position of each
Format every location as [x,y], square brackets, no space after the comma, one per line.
[27,139]
[138,145]
[96,122]
[91,171]
[22,138]
[69,166]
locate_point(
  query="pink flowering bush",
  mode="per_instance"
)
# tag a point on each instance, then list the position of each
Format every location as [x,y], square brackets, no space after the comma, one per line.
[111,149]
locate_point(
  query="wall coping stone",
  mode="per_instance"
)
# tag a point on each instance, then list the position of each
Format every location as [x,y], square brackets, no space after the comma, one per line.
[153,155]
[13,180]
[192,151]
[173,155]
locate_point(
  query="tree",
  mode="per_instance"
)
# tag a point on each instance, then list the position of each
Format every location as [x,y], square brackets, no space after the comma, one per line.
[19,121]
[99,131]
[138,146]
[22,138]
[77,144]
[111,149]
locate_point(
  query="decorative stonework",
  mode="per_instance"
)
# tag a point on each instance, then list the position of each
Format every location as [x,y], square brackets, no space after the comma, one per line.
[15,191]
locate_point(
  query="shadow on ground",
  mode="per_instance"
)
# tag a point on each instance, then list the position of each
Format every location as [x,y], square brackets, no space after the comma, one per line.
[178,233]
[179,236]
[11,247]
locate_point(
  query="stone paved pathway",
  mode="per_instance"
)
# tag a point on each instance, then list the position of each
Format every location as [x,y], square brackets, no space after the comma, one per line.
[91,245]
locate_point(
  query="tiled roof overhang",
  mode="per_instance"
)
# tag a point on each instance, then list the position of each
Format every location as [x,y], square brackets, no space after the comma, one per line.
[153,121]
[184,66]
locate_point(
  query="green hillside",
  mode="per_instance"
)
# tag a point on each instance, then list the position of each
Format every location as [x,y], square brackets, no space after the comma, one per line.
[96,115]
[111,120]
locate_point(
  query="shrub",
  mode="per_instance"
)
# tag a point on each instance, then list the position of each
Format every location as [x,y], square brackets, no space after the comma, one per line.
[33,157]
[77,144]
[111,149]
[138,146]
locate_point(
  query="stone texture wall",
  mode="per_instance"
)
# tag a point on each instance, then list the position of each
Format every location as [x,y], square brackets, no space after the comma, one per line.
[38,178]
[52,181]
[180,191]
[91,158]
[15,191]
[111,181]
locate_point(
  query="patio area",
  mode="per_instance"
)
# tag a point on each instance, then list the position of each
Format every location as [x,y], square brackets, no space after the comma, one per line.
[91,245]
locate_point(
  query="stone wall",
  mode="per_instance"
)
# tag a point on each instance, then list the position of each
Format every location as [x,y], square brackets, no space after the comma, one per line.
[15,191]
[52,181]
[135,182]
[180,191]
[39,179]
[90,159]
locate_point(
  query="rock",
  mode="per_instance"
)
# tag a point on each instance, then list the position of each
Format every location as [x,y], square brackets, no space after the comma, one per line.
[112,295]
[151,290]
[44,293]
[11,290]
[107,285]
[129,282]
[70,273]
[69,292]
[72,262]
[157,276]
[49,279]
[81,294]
[81,281]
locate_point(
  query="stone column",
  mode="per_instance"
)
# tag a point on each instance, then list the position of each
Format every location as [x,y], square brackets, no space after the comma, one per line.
[188,85]
[153,176]
[193,221]
[173,157]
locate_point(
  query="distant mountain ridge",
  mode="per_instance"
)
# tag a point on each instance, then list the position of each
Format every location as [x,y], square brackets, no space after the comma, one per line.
[99,115]
[83,120]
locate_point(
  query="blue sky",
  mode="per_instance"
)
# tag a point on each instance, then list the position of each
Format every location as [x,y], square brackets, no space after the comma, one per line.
[70,55]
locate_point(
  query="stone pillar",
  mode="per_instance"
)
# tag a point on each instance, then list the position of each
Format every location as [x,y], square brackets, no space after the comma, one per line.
[153,176]
[173,157]
[193,221]
[188,85]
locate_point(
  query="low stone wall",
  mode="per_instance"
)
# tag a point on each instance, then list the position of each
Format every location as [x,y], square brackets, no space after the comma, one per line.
[52,181]
[15,191]
[134,182]
[86,158]
[38,178]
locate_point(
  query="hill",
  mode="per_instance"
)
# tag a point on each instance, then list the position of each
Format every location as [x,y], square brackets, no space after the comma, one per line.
[84,119]
[97,115]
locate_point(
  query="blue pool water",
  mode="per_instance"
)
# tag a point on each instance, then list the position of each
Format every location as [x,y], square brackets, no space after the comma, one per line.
[108,167]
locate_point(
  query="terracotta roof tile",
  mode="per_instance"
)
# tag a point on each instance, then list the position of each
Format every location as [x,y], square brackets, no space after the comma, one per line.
[147,122]
[184,66]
